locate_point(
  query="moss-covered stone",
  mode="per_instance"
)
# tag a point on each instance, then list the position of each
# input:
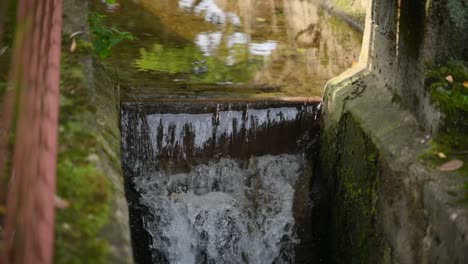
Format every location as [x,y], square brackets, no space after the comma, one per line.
[355,195]
[451,97]
[79,180]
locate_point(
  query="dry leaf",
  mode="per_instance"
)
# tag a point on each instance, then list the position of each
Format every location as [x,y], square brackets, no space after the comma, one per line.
[2,210]
[76,33]
[61,203]
[465,84]
[441,155]
[449,78]
[451,165]
[260,19]
[2,50]
[73,45]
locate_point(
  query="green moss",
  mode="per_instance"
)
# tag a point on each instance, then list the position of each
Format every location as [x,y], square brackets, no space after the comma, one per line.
[78,179]
[355,195]
[442,145]
[452,100]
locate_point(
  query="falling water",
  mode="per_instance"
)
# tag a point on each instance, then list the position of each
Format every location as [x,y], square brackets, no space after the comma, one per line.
[224,212]
[218,184]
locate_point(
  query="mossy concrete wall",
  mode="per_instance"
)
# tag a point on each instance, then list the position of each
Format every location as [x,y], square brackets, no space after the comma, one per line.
[100,119]
[405,38]
[385,205]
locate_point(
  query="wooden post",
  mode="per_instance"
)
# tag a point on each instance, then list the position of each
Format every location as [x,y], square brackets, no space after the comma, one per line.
[35,75]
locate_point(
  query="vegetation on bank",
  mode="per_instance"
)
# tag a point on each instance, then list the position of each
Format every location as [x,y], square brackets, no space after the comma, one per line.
[448,88]
[85,190]
[105,38]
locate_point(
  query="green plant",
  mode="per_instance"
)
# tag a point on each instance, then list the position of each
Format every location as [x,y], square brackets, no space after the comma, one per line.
[105,38]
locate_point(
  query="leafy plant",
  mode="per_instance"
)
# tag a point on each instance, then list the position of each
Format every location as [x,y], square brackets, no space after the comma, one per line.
[105,38]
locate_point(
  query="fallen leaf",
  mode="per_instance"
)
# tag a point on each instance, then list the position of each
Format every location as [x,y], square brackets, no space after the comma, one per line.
[2,210]
[465,84]
[61,203]
[441,155]
[449,78]
[76,33]
[73,45]
[259,19]
[451,165]
[2,50]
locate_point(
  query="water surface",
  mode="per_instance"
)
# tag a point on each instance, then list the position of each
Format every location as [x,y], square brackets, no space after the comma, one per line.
[229,48]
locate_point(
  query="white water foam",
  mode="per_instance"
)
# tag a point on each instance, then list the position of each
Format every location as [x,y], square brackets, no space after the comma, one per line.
[224,212]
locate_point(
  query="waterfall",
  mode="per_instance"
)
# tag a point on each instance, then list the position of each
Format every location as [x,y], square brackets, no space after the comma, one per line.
[224,212]
[216,184]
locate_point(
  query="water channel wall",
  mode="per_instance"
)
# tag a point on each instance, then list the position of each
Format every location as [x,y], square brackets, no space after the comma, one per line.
[102,122]
[384,205]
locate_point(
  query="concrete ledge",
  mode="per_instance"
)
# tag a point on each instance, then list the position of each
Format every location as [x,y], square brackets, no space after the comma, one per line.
[415,210]
[103,122]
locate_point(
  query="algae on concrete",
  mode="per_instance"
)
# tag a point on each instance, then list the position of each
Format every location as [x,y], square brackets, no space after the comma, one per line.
[79,180]
[447,87]
[402,204]
[94,228]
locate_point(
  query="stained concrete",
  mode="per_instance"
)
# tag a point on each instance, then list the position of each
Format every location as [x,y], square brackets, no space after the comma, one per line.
[407,213]
[104,95]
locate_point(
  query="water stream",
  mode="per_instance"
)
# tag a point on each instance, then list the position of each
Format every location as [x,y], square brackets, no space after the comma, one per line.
[216,152]
[223,183]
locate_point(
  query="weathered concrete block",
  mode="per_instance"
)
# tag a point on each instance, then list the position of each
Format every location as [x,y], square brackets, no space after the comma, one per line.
[384,203]
[383,107]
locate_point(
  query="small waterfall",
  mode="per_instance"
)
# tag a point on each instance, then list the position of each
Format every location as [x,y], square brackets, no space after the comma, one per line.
[170,131]
[230,130]
[223,212]
[216,183]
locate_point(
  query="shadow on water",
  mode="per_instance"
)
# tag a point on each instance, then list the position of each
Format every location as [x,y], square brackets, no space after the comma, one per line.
[217,154]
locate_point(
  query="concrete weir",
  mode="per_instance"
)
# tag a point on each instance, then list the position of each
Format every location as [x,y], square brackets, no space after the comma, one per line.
[384,205]
[231,177]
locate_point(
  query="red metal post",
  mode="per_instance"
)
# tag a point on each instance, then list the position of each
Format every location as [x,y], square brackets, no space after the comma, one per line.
[29,230]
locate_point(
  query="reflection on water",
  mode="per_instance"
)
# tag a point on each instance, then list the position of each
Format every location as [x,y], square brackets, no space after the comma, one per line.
[292,44]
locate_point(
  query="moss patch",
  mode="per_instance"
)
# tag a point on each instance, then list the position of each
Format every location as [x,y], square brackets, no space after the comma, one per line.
[78,179]
[355,168]
[451,97]
[452,100]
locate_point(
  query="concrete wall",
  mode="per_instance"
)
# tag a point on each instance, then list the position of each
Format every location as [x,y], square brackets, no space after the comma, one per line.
[385,206]
[103,122]
[404,37]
